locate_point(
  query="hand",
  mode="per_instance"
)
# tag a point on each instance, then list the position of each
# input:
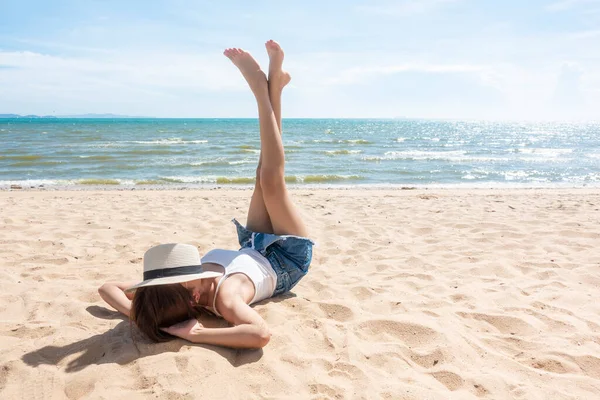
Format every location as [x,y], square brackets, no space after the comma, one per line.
[185,330]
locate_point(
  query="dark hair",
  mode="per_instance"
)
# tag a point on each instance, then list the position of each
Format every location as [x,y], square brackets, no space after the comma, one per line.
[155,307]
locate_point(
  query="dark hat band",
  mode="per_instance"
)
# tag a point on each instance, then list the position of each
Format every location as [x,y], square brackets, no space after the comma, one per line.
[168,272]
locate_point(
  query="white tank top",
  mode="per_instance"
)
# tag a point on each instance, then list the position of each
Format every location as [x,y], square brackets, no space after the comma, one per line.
[248,262]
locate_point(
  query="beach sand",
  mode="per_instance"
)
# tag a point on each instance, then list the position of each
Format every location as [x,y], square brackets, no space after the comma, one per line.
[412,294]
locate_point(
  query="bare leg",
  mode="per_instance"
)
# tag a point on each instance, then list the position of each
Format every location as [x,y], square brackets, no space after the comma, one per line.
[258,218]
[284,217]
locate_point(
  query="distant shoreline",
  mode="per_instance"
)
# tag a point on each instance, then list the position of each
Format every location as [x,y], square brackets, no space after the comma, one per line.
[90,116]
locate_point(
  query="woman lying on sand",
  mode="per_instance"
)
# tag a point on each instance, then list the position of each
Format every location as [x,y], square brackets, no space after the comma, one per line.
[274,256]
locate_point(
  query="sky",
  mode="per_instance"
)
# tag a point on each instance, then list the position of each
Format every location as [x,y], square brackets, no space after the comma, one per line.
[447,59]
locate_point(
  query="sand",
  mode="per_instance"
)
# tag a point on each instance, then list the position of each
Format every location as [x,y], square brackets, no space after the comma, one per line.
[412,294]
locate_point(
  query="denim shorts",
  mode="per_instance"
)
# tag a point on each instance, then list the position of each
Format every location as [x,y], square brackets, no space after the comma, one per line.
[289,255]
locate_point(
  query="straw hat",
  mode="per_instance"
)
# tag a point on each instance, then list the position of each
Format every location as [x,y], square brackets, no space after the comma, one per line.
[172,263]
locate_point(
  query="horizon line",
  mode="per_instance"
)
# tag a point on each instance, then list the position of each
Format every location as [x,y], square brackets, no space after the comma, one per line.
[406,118]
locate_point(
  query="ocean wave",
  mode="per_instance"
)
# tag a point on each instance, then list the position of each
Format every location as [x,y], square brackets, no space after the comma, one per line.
[217,162]
[250,179]
[89,138]
[99,182]
[544,151]
[239,162]
[97,158]
[149,182]
[235,180]
[456,155]
[158,142]
[330,178]
[34,163]
[33,182]
[342,141]
[151,151]
[338,152]
[208,179]
[243,151]
[518,175]
[31,157]
[167,142]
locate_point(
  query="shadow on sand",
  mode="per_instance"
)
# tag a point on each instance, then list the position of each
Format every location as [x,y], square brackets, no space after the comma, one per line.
[124,344]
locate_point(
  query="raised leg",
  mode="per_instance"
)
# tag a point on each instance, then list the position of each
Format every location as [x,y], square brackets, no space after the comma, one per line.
[258,217]
[282,212]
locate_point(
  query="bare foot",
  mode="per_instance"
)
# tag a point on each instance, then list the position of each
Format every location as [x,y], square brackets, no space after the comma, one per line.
[278,78]
[250,69]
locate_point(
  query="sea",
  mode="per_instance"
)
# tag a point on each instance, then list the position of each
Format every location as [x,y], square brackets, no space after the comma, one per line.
[172,153]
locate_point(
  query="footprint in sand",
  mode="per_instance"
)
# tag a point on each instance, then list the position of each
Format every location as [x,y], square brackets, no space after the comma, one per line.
[411,334]
[25,332]
[504,324]
[337,312]
[328,391]
[362,293]
[348,371]
[80,386]
[449,379]
[427,360]
[550,364]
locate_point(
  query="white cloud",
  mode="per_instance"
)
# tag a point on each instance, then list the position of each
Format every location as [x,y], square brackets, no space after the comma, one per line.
[360,74]
[563,5]
[159,70]
[161,84]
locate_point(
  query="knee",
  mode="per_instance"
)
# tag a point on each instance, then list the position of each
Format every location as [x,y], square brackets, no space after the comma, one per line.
[271,179]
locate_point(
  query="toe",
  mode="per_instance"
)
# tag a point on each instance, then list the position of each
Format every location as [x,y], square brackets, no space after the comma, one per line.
[235,52]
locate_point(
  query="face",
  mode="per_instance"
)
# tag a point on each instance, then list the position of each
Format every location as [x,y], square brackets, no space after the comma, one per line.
[199,290]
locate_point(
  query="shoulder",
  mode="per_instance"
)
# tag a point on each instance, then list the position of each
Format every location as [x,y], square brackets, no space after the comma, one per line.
[236,310]
[236,285]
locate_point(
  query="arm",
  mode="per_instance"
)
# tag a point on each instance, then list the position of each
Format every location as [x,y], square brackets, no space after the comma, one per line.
[249,330]
[114,294]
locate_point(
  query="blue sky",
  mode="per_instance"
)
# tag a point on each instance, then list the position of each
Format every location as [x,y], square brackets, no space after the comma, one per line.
[483,59]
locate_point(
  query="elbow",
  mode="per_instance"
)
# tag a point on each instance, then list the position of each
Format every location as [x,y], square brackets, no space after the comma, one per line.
[104,290]
[263,337]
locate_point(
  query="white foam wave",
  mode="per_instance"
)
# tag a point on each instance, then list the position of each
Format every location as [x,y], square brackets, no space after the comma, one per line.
[545,151]
[514,175]
[191,179]
[243,162]
[456,156]
[169,141]
[341,152]
[33,182]
[340,141]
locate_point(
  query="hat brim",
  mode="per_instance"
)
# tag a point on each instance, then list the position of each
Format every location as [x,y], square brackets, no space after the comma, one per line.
[174,279]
